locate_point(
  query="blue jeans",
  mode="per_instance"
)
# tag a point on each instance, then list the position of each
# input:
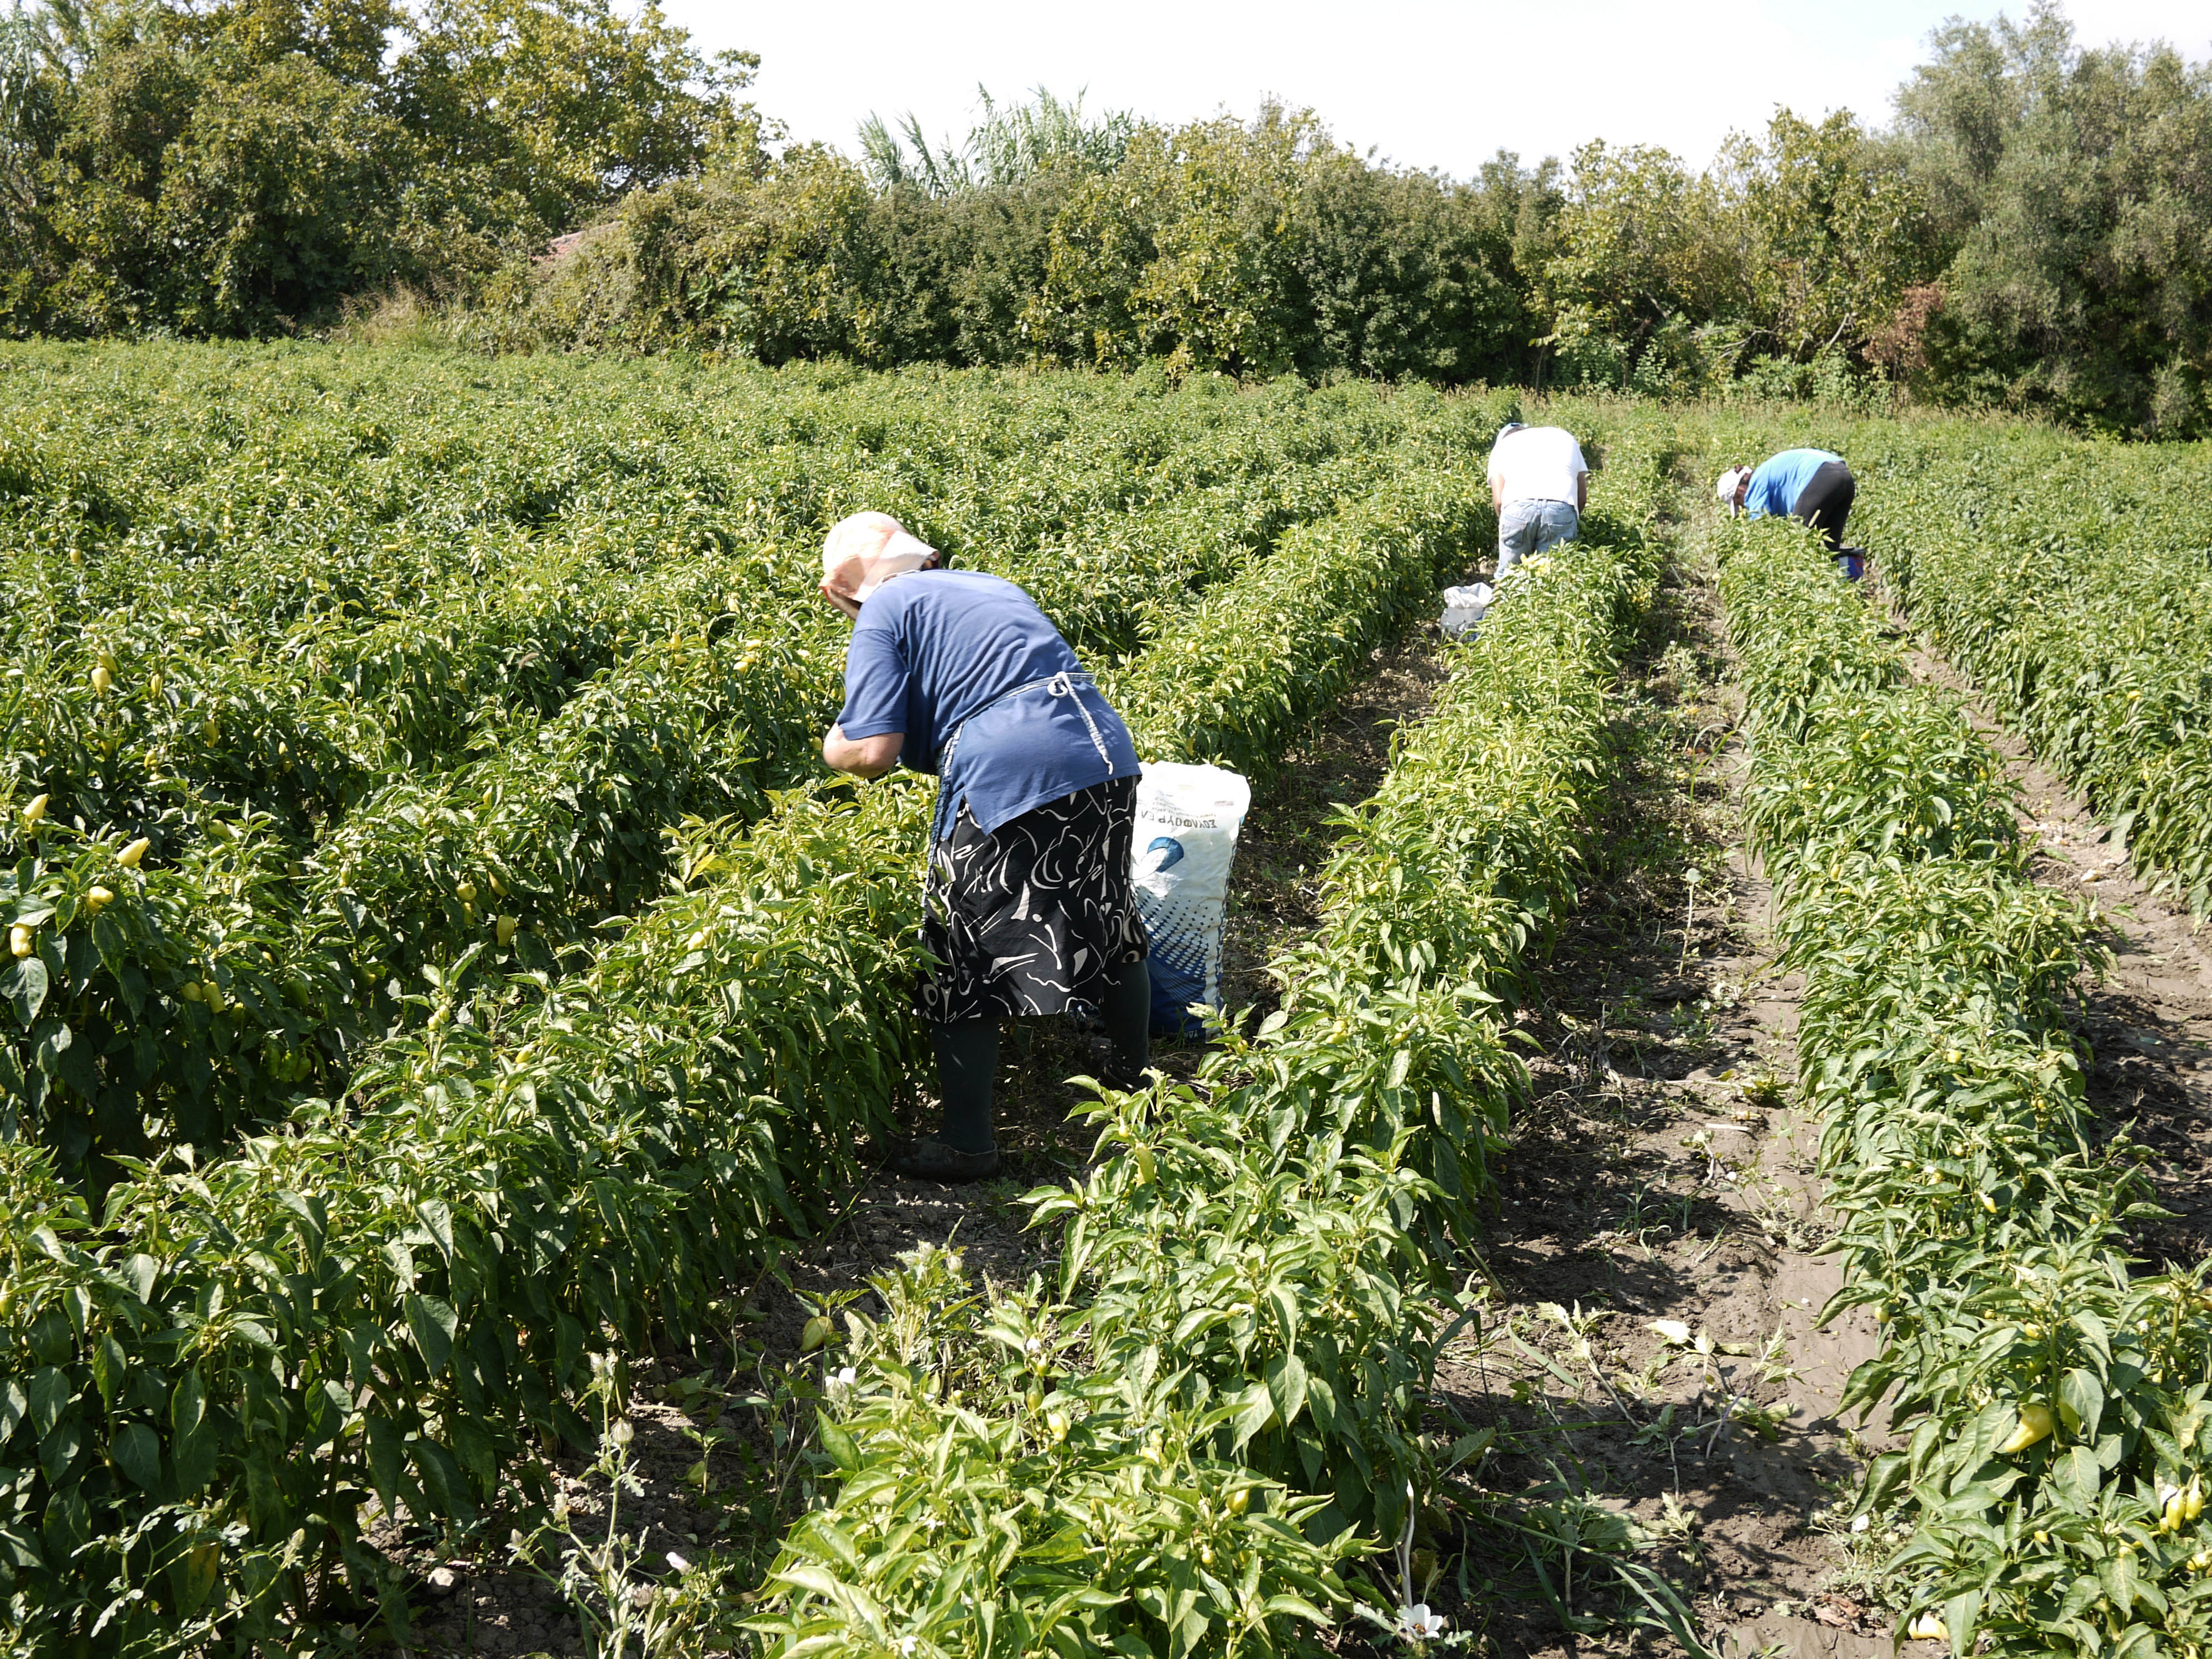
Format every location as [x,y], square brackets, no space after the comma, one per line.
[1527,528]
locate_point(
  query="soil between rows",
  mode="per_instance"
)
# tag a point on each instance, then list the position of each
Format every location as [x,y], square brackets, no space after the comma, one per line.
[1660,1173]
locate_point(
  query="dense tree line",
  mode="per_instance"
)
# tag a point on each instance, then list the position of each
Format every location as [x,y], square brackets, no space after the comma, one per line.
[1256,249]
[240,167]
[2034,228]
[2068,196]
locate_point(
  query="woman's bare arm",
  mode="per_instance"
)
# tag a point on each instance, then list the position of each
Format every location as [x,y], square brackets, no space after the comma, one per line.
[867,757]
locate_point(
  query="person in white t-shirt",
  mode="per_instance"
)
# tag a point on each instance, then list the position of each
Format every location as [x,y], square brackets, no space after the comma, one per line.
[1540,483]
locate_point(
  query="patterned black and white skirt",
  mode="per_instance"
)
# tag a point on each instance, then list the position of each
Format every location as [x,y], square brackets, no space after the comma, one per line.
[1027,920]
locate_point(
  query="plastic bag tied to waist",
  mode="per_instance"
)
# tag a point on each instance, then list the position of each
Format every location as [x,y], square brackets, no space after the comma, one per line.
[1188,818]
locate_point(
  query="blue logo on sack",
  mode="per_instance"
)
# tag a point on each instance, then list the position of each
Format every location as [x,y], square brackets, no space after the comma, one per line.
[1174,851]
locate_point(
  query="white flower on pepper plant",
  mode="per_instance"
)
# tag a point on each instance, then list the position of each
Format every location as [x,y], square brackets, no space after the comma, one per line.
[838,1386]
[1418,1624]
[678,1562]
[1860,1523]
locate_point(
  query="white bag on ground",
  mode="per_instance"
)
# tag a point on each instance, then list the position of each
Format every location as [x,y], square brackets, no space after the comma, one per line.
[1463,609]
[1188,818]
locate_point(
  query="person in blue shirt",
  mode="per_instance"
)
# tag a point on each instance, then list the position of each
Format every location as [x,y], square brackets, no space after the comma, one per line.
[1812,485]
[1028,907]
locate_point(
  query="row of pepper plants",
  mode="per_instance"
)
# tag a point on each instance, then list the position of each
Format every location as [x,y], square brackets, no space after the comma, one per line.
[175,675]
[316,843]
[151,693]
[176,573]
[389,1304]
[2050,1390]
[212,480]
[2071,581]
[1184,1444]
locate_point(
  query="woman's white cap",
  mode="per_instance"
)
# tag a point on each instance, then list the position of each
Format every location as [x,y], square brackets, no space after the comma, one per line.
[1725,487]
[863,552]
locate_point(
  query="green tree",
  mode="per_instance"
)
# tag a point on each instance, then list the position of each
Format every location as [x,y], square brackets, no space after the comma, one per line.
[1640,260]
[564,105]
[775,260]
[274,201]
[1832,231]
[1409,274]
[1249,249]
[2072,198]
[955,275]
[242,167]
[1267,247]
[1181,253]
[347,39]
[1797,244]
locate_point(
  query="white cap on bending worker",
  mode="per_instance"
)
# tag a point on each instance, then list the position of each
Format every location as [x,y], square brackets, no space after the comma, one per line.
[863,552]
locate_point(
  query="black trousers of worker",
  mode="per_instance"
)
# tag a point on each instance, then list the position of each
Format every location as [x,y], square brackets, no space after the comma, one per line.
[1826,501]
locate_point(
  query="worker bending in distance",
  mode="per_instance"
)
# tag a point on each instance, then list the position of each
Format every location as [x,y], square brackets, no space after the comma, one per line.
[1539,485]
[1028,907]
[1812,485]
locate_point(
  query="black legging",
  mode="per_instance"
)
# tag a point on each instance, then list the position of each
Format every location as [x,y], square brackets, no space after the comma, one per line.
[968,1055]
[1826,501]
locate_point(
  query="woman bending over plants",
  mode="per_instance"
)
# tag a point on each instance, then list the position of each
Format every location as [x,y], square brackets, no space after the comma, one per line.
[1028,908]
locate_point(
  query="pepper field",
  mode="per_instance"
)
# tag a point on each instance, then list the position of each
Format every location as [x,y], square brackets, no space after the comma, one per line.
[436,955]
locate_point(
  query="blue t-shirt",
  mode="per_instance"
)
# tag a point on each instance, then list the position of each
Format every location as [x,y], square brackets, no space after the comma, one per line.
[1779,480]
[936,650]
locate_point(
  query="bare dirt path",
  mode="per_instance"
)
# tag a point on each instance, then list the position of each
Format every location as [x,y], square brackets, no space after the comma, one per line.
[1651,1342]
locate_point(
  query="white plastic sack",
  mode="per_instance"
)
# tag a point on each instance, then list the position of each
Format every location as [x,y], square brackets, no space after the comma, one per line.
[1463,609]
[1188,818]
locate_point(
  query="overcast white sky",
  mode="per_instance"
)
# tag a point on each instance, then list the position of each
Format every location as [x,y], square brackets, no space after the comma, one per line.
[1428,85]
